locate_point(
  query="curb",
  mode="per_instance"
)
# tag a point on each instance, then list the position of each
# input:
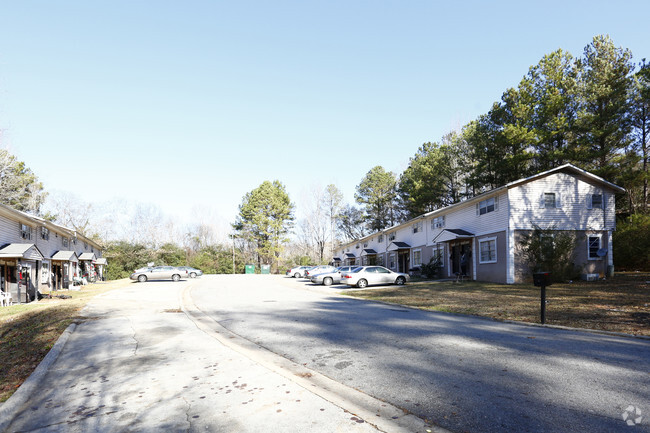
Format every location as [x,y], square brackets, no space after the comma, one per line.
[25,391]
[382,415]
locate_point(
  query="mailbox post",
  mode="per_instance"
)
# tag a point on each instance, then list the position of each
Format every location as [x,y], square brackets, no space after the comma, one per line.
[542,279]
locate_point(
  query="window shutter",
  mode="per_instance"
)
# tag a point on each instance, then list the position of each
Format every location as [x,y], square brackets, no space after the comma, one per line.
[541,201]
[590,204]
[477,210]
[604,204]
[496,203]
[558,200]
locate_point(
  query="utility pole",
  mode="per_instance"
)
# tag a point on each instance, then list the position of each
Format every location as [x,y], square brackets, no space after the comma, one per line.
[233,253]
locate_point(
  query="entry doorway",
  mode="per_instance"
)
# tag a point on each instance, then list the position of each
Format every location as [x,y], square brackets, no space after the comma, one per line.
[461,258]
[403,260]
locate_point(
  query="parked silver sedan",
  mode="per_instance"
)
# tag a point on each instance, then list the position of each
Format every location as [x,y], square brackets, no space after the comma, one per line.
[158,273]
[369,275]
[333,277]
[297,271]
[309,273]
[192,272]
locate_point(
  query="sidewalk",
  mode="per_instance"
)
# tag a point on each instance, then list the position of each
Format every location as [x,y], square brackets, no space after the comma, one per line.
[139,363]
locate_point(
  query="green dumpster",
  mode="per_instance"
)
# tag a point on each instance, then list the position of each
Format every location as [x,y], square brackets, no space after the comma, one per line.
[266,269]
[250,269]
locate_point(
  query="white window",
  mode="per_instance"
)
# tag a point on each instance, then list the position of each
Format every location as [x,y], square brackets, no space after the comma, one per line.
[488,250]
[439,254]
[391,236]
[365,244]
[25,231]
[417,227]
[391,260]
[593,245]
[549,200]
[380,260]
[595,201]
[487,206]
[381,238]
[417,258]
[358,246]
[45,233]
[65,242]
[438,222]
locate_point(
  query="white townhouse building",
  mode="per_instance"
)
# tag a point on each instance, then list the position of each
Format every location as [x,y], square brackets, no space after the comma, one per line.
[37,255]
[480,237]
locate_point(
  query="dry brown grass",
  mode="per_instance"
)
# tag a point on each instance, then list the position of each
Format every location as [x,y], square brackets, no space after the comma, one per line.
[620,304]
[28,331]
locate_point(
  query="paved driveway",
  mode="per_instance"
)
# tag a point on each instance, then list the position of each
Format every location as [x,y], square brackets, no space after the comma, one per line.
[460,372]
[138,363]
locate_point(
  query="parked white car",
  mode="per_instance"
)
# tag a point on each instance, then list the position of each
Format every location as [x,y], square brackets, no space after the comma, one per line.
[334,277]
[297,271]
[369,275]
[318,270]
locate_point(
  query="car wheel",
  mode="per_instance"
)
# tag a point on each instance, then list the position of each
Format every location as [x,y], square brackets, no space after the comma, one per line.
[193,275]
[400,281]
[176,277]
[327,281]
[362,283]
[296,275]
[142,278]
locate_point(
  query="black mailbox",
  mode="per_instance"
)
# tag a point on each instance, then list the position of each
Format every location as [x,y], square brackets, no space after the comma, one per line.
[542,279]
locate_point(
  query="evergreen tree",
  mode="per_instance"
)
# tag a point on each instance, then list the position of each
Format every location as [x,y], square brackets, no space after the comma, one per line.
[436,176]
[604,121]
[377,192]
[265,218]
[641,124]
[553,86]
[350,223]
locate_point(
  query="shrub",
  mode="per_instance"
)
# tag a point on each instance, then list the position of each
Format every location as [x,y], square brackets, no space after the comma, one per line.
[550,250]
[632,243]
[433,269]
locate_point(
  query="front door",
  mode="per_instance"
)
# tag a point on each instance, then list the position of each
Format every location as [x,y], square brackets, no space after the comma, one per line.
[461,254]
[403,260]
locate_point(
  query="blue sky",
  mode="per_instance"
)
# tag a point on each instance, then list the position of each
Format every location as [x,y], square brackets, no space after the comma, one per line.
[195,103]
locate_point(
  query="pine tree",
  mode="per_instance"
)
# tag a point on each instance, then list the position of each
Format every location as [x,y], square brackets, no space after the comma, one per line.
[265,218]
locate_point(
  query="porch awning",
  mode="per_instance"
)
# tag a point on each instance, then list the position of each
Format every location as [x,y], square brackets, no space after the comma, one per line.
[336,259]
[452,234]
[350,256]
[394,246]
[66,256]
[21,251]
[368,252]
[101,261]
[87,256]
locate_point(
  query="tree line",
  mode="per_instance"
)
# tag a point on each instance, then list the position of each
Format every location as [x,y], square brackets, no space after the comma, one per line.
[592,111]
